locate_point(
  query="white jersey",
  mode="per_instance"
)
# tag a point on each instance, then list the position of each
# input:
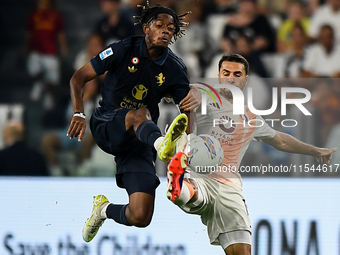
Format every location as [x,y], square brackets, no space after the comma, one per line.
[234,133]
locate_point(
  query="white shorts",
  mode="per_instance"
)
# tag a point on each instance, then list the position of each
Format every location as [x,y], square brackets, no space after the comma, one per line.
[233,237]
[223,209]
[48,65]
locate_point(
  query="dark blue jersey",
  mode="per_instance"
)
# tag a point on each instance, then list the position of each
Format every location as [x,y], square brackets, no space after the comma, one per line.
[134,80]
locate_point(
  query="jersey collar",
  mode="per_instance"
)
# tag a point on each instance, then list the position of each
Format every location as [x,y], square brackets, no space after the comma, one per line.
[145,54]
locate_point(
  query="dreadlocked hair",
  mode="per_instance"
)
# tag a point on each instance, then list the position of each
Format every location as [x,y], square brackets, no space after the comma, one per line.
[150,13]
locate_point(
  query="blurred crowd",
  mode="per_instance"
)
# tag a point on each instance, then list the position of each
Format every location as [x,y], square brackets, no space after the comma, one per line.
[283,40]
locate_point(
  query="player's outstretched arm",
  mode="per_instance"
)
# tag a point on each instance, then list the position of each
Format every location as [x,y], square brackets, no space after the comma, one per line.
[189,105]
[192,101]
[287,143]
[77,83]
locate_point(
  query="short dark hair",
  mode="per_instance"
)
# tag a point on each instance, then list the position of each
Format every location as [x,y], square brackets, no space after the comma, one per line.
[327,26]
[150,13]
[237,58]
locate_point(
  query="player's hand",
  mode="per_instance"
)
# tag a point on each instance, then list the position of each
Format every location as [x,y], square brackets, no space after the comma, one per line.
[192,101]
[77,128]
[325,155]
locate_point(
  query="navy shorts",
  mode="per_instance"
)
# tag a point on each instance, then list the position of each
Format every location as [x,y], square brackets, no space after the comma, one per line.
[131,155]
[138,182]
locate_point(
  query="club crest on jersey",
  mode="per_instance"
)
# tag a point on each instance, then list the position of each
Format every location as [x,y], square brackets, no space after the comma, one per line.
[139,92]
[132,69]
[135,60]
[106,53]
[160,79]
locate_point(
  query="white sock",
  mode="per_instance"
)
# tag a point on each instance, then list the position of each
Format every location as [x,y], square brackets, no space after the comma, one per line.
[103,211]
[158,142]
[184,197]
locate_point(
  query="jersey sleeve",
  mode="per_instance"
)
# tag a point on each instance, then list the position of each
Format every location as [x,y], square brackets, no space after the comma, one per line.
[109,58]
[264,132]
[181,87]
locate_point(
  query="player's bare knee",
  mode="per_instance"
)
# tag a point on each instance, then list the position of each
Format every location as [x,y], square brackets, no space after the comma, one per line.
[238,249]
[140,116]
[129,119]
[140,218]
[143,223]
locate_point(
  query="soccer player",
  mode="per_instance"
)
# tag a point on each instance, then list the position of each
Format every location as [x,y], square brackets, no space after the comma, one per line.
[141,70]
[217,196]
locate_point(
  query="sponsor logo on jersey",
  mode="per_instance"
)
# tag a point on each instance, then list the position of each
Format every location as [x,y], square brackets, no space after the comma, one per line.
[160,79]
[132,69]
[106,53]
[207,91]
[139,92]
[204,97]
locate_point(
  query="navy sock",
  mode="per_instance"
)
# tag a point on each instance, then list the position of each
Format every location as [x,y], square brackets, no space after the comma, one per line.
[117,213]
[148,132]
